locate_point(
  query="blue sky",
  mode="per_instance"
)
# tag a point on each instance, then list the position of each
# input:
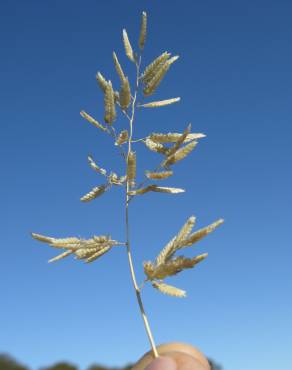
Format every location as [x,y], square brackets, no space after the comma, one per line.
[234,78]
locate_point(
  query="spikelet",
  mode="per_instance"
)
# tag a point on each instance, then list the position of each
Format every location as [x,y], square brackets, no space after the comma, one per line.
[157,189]
[149,270]
[60,256]
[179,142]
[152,85]
[159,175]
[115,179]
[173,137]
[95,167]
[101,81]
[171,247]
[125,94]
[180,154]
[68,243]
[42,238]
[94,193]
[101,239]
[92,120]
[172,267]
[155,147]
[98,254]
[85,252]
[198,235]
[128,47]
[109,104]
[163,189]
[169,289]
[151,69]
[122,138]
[161,103]
[141,191]
[143,31]
[131,168]
[118,67]
[88,249]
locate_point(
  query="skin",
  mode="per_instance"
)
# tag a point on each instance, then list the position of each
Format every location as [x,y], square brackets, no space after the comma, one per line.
[174,356]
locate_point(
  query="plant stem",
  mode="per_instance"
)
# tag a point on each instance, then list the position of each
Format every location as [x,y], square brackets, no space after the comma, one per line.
[131,265]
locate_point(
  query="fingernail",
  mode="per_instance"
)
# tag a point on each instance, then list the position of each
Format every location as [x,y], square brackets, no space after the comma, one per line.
[162,363]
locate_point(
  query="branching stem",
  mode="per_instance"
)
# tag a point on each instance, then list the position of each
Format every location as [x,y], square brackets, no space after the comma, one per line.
[131,265]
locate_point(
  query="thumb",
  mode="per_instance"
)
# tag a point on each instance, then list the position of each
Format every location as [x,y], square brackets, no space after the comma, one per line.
[174,356]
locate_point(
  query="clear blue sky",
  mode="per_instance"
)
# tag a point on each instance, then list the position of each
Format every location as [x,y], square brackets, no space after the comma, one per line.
[234,78]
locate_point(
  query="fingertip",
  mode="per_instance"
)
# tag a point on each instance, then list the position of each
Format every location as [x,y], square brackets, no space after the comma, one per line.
[162,363]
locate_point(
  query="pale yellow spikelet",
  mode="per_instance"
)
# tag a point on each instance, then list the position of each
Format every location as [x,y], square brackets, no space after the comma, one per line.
[163,189]
[128,47]
[157,189]
[95,167]
[125,94]
[94,193]
[101,238]
[152,85]
[109,104]
[42,238]
[122,138]
[169,289]
[142,190]
[159,175]
[118,67]
[101,81]
[168,251]
[151,69]
[131,168]
[85,252]
[173,267]
[60,256]
[98,254]
[115,179]
[180,154]
[160,103]
[92,120]
[67,243]
[179,142]
[173,137]
[149,270]
[155,147]
[143,31]
[198,235]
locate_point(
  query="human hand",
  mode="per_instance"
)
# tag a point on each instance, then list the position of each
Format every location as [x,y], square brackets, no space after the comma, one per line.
[174,356]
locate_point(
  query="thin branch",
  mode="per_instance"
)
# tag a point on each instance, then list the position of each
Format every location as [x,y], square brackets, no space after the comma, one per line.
[131,265]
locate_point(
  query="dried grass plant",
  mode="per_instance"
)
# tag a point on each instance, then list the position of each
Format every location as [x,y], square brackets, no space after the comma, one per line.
[171,146]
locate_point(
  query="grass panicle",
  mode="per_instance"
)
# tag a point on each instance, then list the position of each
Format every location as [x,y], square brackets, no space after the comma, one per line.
[172,146]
